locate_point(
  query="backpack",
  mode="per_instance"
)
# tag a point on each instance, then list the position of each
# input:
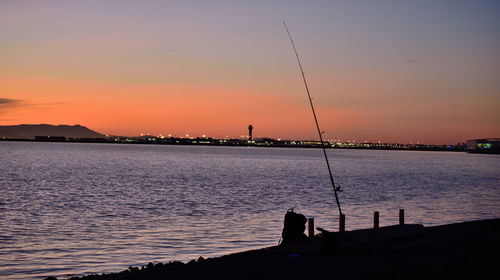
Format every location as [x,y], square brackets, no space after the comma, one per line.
[294,226]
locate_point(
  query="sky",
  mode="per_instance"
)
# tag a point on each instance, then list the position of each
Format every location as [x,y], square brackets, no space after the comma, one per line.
[390,71]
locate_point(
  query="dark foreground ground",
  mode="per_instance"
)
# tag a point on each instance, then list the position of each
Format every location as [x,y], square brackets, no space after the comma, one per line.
[468,250]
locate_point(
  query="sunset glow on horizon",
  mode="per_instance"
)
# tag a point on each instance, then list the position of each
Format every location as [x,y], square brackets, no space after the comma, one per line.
[426,71]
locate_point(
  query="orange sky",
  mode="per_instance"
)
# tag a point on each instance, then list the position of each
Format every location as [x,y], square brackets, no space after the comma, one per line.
[392,73]
[163,109]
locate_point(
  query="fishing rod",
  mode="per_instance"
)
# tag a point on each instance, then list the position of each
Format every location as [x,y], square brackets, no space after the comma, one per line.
[315,119]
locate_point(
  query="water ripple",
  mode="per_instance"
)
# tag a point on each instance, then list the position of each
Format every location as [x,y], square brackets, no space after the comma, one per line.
[71,209]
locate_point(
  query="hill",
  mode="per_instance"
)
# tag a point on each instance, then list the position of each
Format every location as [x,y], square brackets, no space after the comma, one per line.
[28,131]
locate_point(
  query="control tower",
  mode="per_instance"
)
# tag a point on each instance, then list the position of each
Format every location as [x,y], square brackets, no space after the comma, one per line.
[250,128]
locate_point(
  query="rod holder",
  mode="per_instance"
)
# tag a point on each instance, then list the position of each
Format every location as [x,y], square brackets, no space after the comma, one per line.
[401,217]
[310,227]
[375,219]
[342,223]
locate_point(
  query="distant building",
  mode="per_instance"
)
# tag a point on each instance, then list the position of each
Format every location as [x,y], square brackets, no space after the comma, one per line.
[487,145]
[250,128]
[50,138]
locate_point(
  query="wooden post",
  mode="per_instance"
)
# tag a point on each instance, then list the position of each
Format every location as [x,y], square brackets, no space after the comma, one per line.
[342,223]
[375,219]
[310,227]
[401,217]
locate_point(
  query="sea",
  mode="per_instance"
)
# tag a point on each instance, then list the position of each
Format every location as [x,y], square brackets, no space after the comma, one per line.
[69,209]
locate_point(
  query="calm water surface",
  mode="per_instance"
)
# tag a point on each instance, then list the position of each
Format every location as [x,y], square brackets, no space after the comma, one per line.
[70,209]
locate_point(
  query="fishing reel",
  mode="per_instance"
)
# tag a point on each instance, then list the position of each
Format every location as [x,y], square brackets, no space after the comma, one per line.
[338,189]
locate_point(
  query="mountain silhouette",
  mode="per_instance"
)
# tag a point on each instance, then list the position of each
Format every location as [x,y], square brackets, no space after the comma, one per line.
[31,130]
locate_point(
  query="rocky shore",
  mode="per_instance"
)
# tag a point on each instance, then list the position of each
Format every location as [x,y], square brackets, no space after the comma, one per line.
[469,250]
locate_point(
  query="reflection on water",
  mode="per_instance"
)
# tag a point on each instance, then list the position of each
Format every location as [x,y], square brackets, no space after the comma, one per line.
[69,208]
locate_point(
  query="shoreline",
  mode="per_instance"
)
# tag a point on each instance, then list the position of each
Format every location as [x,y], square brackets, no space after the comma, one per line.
[468,250]
[238,143]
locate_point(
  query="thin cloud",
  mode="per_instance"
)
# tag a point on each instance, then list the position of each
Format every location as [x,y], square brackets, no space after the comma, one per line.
[415,61]
[46,106]
[55,104]
[9,102]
